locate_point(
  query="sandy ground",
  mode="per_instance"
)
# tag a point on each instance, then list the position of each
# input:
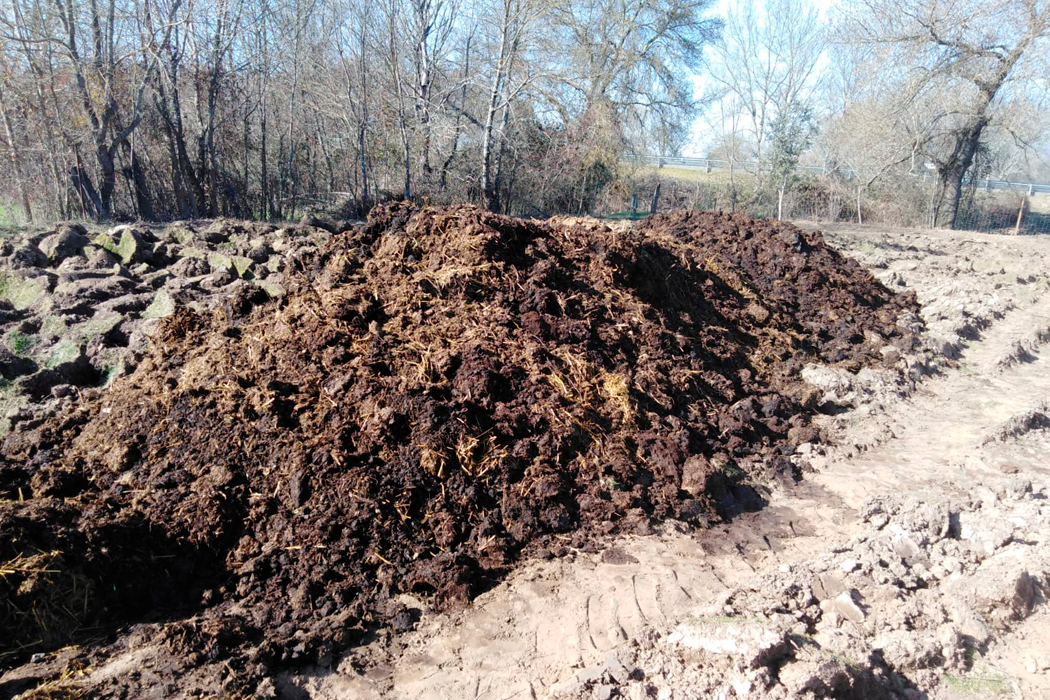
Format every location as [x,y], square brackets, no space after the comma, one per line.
[912,560]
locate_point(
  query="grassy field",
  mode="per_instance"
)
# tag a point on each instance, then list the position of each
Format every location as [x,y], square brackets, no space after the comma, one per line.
[715,177]
[1040,203]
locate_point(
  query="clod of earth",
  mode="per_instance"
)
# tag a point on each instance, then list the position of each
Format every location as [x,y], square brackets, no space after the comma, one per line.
[438,393]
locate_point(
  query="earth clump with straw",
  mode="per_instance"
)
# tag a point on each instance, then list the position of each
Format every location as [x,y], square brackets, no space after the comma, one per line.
[440,393]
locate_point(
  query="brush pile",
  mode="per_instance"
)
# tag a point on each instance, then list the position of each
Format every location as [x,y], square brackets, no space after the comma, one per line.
[439,393]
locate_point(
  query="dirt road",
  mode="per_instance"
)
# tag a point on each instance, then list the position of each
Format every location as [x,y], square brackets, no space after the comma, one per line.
[911,561]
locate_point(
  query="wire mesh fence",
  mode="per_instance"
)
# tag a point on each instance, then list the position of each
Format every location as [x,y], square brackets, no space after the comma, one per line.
[906,203]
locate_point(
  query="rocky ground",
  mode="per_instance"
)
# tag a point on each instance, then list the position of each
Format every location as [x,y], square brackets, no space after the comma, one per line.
[911,561]
[77,307]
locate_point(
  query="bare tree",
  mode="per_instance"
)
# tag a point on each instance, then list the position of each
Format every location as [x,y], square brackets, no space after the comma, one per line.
[724,120]
[767,59]
[865,143]
[510,21]
[432,25]
[396,64]
[458,106]
[354,40]
[16,159]
[629,62]
[98,69]
[962,58]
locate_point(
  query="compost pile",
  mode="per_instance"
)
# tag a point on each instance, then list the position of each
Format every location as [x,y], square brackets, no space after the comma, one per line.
[440,392]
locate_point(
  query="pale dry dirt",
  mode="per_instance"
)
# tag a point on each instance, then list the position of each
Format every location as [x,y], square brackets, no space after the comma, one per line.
[912,561]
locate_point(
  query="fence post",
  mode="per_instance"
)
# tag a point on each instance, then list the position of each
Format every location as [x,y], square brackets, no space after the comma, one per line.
[1020,214]
[656,199]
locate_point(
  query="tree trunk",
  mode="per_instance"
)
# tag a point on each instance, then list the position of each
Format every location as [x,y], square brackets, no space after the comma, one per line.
[1020,214]
[16,161]
[322,142]
[488,192]
[402,118]
[488,189]
[365,200]
[51,144]
[951,174]
[181,169]
[497,182]
[107,180]
[137,176]
[402,112]
[424,107]
[90,201]
[246,126]
[264,176]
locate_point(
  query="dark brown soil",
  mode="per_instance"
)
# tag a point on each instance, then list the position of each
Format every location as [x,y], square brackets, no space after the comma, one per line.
[440,393]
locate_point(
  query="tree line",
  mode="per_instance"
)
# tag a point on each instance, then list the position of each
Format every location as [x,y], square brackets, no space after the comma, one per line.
[164,109]
[259,108]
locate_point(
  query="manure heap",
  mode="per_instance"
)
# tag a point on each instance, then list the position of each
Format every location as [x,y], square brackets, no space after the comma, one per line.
[442,392]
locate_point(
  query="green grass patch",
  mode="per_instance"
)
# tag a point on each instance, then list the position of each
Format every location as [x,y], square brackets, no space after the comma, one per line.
[866,248]
[54,326]
[182,235]
[733,472]
[192,252]
[95,328]
[996,684]
[104,240]
[9,398]
[20,343]
[8,224]
[627,215]
[126,248]
[809,641]
[62,352]
[111,372]
[724,619]
[163,304]
[19,291]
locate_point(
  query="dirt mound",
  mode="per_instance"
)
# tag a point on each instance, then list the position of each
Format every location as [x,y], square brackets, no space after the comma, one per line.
[440,392]
[826,300]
